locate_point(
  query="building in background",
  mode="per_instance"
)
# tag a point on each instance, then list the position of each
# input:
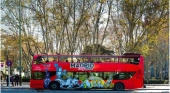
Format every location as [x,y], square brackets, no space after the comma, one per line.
[3,67]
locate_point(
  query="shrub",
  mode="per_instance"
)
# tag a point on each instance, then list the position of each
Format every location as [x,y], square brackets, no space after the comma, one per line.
[166,82]
[146,81]
[155,82]
[25,80]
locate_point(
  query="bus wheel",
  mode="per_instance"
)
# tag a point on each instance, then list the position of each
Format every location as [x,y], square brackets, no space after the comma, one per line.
[144,86]
[119,86]
[54,86]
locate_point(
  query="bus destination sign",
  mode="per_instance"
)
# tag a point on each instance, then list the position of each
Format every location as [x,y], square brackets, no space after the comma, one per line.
[82,66]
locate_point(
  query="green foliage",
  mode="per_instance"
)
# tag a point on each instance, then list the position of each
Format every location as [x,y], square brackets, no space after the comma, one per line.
[98,49]
[142,23]
[25,80]
[156,81]
[66,26]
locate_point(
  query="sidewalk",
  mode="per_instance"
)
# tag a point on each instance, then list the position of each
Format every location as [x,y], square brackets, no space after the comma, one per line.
[157,84]
[25,85]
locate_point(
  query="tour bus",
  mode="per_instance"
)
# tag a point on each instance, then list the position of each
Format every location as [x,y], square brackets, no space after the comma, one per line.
[87,71]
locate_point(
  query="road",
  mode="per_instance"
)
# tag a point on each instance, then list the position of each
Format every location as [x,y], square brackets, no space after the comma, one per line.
[149,89]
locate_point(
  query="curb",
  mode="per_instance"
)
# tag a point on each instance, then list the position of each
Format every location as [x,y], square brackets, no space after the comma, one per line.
[147,86]
[15,88]
[157,84]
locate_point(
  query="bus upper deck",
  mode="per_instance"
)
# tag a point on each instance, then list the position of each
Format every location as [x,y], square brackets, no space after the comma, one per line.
[126,58]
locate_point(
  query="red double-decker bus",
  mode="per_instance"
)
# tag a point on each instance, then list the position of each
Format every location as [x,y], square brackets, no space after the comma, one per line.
[87,71]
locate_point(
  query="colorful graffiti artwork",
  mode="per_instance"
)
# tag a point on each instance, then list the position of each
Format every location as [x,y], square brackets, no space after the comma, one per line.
[67,81]
[47,78]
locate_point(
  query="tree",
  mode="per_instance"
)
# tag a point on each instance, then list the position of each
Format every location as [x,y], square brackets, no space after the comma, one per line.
[103,51]
[71,26]
[138,22]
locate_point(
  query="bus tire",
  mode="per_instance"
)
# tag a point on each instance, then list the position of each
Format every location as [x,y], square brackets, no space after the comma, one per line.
[119,86]
[144,86]
[54,86]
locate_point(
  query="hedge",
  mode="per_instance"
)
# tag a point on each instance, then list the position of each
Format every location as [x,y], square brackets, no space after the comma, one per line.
[156,81]
[25,80]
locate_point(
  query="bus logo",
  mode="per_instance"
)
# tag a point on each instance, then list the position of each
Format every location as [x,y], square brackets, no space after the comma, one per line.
[83,66]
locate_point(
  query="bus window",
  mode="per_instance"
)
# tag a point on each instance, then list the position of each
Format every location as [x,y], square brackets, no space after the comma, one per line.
[70,74]
[96,59]
[38,60]
[86,60]
[133,60]
[136,60]
[38,75]
[106,75]
[108,60]
[123,75]
[123,60]
[97,74]
[52,59]
[75,75]
[105,59]
[55,59]
[114,60]
[63,59]
[129,60]
[67,75]
[83,76]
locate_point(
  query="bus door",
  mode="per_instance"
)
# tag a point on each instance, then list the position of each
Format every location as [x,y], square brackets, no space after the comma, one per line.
[125,78]
[138,80]
[37,80]
[38,84]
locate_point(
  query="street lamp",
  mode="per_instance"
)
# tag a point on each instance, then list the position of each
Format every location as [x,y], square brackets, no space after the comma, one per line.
[20,48]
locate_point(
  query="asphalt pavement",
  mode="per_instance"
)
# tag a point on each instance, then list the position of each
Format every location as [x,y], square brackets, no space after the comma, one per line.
[26,85]
[25,88]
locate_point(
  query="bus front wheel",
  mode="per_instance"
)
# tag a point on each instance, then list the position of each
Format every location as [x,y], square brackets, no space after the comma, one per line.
[54,86]
[119,86]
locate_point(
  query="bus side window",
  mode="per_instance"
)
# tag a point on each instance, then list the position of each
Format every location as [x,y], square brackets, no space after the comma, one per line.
[136,60]
[129,60]
[38,75]
[75,75]
[34,62]
[122,60]
[108,60]
[67,61]
[38,60]
[91,61]
[47,61]
[116,60]
[106,75]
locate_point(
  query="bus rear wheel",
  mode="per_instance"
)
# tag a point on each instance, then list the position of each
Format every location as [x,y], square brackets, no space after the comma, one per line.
[119,86]
[54,86]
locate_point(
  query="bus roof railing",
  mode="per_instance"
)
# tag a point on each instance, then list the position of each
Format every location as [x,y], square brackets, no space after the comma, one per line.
[131,54]
[124,55]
